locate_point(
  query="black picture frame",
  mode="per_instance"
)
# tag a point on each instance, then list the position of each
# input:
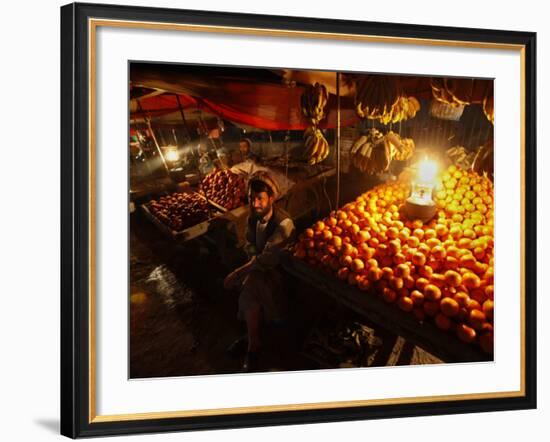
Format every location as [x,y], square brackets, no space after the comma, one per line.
[76,420]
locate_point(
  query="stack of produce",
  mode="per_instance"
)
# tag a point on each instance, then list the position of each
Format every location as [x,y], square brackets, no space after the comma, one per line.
[313,102]
[379,97]
[373,152]
[440,271]
[180,210]
[224,188]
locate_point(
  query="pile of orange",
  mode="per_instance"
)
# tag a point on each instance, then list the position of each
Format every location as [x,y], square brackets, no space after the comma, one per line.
[441,270]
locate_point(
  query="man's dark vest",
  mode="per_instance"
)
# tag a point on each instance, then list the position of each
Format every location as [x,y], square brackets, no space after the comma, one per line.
[279,215]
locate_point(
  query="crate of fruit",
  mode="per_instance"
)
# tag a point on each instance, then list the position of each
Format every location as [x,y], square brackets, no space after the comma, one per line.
[181,215]
[224,189]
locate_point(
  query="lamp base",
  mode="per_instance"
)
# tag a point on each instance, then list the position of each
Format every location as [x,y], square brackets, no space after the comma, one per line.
[423,210]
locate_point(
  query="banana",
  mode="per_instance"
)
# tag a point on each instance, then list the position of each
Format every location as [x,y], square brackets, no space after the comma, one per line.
[357,144]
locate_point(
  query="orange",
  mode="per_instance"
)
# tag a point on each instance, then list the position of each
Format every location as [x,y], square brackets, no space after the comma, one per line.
[362,236]
[393,232]
[396,283]
[372,262]
[471,280]
[402,270]
[465,333]
[352,278]
[419,233]
[452,251]
[409,282]
[477,319]
[399,258]
[405,303]
[394,246]
[449,307]
[426,271]
[433,242]
[389,295]
[424,249]
[453,278]
[488,308]
[473,305]
[387,273]
[419,259]
[363,283]
[413,241]
[467,260]
[374,274]
[417,297]
[343,273]
[421,283]
[357,265]
[456,233]
[465,243]
[486,342]
[430,308]
[442,322]
[451,263]
[462,299]
[432,292]
[489,292]
[346,260]
[441,230]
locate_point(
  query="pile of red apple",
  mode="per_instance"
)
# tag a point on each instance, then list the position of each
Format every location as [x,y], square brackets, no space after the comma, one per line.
[180,210]
[225,188]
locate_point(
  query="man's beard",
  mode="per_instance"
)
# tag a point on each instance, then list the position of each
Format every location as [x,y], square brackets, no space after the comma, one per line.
[260,214]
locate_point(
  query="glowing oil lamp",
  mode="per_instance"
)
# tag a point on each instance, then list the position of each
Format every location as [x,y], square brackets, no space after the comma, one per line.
[420,204]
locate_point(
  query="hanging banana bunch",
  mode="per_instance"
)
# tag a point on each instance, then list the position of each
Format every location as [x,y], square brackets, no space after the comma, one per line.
[316,145]
[313,102]
[372,153]
[460,156]
[381,98]
[483,162]
[401,148]
[376,95]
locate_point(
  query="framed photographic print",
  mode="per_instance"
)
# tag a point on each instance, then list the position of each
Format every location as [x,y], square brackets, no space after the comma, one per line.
[273,220]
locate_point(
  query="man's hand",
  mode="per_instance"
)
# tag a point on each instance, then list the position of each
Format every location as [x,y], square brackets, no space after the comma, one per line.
[230,280]
[236,277]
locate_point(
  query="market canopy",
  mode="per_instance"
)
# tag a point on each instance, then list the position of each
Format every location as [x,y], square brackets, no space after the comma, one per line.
[261,98]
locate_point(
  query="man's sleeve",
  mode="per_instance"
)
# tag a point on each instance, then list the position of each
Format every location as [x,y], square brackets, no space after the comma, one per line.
[281,237]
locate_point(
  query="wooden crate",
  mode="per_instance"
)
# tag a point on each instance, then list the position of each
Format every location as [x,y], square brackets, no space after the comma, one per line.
[187,233]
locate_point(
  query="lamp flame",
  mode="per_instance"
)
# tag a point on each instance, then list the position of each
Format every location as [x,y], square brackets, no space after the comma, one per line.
[427,171]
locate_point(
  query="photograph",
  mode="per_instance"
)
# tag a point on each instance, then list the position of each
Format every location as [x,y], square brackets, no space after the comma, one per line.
[273,220]
[292,219]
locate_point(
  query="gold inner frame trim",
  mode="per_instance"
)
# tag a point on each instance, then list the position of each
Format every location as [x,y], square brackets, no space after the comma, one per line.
[92,28]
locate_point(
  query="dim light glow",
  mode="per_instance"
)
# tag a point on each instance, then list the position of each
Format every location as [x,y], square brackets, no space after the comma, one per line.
[172,154]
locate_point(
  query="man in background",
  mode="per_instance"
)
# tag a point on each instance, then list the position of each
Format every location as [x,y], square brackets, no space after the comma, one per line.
[245,149]
[261,299]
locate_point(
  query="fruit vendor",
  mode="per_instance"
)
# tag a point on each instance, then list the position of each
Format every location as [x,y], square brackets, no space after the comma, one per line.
[261,298]
[245,148]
